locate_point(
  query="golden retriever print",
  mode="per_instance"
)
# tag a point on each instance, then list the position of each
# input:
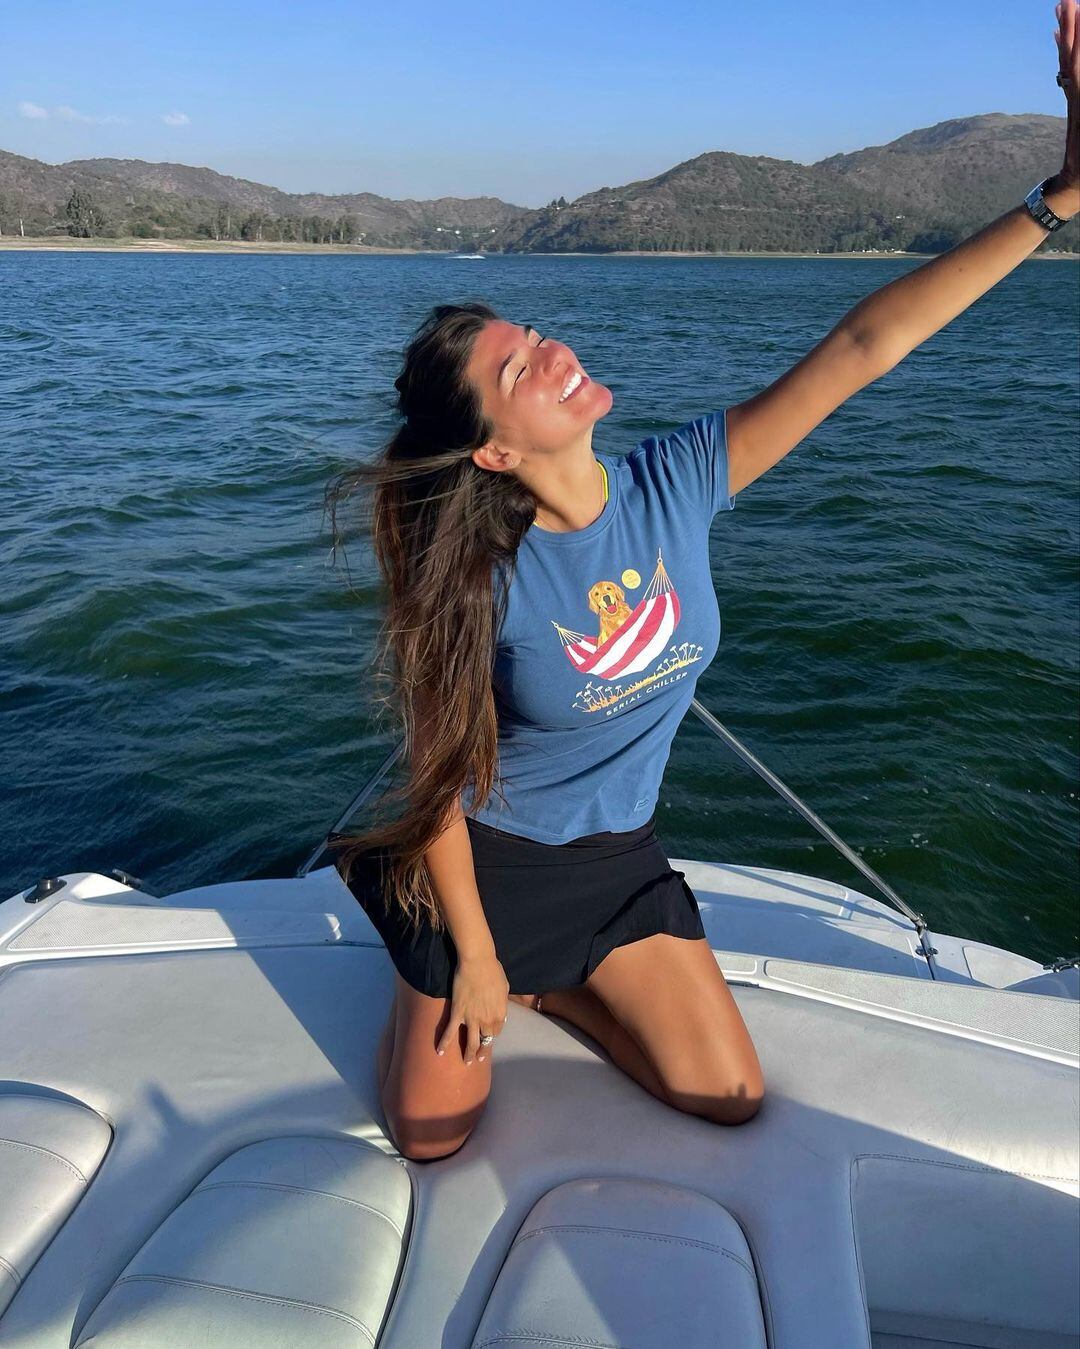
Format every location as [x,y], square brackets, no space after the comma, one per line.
[608,599]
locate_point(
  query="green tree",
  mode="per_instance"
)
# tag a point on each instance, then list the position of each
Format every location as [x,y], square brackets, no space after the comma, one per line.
[223,223]
[85,217]
[251,227]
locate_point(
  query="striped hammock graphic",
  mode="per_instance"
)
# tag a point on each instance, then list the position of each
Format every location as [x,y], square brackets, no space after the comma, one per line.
[635,643]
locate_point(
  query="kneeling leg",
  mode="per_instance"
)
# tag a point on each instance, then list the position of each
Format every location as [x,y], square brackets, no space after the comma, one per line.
[672,997]
[431,1101]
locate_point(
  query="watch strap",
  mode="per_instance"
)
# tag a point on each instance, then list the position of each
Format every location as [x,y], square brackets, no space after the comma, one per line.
[1036,204]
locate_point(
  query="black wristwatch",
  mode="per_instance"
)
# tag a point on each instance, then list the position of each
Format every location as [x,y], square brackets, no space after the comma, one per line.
[1039,209]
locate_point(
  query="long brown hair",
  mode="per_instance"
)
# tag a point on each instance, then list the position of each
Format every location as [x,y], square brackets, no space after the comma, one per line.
[445,533]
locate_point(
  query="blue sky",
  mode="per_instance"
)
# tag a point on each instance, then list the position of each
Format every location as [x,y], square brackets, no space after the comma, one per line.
[523,101]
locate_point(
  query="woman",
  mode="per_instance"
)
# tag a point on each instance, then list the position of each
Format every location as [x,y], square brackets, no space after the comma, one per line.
[549,612]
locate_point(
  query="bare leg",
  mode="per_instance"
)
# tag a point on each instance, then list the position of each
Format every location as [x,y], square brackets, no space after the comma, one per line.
[671,995]
[431,1102]
[386,1047]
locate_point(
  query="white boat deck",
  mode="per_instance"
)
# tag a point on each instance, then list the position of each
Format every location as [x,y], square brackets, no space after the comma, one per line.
[197,1155]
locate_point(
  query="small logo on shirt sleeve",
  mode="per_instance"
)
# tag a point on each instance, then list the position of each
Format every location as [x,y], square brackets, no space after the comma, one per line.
[640,805]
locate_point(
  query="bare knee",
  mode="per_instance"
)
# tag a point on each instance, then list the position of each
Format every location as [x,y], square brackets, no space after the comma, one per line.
[430,1102]
[424,1123]
[740,1109]
[426,1150]
[426,1140]
[733,1107]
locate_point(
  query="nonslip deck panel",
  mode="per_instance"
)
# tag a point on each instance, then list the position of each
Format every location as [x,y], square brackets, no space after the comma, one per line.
[83,925]
[1026,1018]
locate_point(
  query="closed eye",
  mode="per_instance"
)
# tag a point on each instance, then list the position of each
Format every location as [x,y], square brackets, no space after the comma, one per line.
[523,368]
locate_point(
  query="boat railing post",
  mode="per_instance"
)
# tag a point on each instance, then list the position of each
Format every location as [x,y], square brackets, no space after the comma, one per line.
[819,824]
[722,733]
[361,797]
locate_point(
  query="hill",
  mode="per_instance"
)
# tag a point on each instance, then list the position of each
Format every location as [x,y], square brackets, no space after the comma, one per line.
[921,193]
[111,198]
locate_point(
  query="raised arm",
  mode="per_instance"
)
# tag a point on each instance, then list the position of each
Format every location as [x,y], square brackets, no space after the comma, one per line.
[891,322]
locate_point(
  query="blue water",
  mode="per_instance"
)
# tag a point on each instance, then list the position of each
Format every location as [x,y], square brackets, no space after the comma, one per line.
[181,686]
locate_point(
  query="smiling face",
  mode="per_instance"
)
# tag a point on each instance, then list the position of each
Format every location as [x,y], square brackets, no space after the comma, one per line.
[521,376]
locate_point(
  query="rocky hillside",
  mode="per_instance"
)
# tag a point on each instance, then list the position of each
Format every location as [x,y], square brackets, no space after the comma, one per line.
[920,193]
[131,198]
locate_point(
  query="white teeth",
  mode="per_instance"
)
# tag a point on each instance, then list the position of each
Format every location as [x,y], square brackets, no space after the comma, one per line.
[574,381]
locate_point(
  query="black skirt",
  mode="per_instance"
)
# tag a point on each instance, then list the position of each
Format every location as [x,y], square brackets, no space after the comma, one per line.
[555,910]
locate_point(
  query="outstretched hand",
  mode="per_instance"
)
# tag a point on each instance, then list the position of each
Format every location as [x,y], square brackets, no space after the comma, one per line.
[1067,38]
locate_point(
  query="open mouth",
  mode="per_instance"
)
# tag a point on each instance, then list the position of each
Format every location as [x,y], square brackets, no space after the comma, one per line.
[573,386]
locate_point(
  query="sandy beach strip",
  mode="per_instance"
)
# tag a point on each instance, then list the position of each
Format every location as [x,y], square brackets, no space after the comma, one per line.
[67,244]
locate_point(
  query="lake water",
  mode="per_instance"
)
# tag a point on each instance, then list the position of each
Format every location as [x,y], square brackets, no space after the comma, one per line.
[180,666]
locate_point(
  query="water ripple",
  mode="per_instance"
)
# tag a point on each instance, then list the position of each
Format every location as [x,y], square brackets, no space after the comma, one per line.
[184,680]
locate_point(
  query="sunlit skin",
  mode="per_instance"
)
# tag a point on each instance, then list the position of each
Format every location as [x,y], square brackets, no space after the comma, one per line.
[544,443]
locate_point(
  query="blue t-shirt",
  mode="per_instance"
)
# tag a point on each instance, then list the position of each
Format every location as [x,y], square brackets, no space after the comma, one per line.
[606,632]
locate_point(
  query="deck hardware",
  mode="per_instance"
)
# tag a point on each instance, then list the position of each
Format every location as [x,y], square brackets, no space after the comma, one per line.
[133,882]
[47,886]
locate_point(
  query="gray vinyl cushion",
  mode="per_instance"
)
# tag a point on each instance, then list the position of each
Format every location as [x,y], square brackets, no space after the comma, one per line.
[289,1241]
[49,1150]
[1019,1227]
[626,1263]
[192,1055]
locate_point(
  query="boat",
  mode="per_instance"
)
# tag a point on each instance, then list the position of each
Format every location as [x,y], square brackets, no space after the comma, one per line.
[467,257]
[192,1148]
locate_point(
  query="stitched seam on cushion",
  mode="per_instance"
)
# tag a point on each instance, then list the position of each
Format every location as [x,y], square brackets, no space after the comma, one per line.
[767,1317]
[44,1152]
[961,1166]
[542,1337]
[640,1236]
[11,1270]
[301,1189]
[344,1140]
[860,1273]
[298,1303]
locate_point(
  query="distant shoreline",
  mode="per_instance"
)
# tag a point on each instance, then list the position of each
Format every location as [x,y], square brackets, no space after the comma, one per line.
[58,244]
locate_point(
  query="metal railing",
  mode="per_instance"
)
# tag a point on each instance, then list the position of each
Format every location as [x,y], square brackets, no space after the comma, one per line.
[733,743]
[364,793]
[819,824]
